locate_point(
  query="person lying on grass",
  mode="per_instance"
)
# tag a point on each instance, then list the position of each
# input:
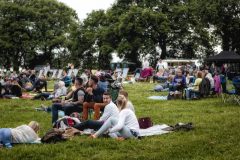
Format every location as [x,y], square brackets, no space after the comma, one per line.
[126,126]
[20,134]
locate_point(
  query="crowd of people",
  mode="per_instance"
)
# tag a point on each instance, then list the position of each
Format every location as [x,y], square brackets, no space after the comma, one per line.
[92,92]
[188,81]
[74,94]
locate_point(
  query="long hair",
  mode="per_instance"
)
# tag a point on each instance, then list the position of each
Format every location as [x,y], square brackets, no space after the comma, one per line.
[121,102]
[34,125]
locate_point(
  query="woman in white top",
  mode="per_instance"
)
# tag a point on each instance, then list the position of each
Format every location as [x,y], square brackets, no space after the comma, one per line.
[125,127]
[20,134]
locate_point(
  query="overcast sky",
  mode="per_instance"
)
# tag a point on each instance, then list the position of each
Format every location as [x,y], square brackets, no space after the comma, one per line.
[83,7]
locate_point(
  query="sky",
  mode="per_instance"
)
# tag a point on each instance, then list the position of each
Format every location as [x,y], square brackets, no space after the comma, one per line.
[83,7]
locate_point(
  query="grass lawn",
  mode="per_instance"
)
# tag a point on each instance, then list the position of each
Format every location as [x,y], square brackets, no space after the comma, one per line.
[216,134]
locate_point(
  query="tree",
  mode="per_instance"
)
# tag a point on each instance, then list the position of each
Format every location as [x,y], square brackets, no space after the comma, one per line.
[223,17]
[30,29]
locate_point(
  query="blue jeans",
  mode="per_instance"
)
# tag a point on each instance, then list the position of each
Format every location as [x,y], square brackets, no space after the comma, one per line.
[91,124]
[5,137]
[45,95]
[188,93]
[67,108]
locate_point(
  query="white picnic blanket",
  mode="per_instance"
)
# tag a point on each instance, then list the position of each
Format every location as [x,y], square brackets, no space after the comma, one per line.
[154,130]
[158,98]
[151,131]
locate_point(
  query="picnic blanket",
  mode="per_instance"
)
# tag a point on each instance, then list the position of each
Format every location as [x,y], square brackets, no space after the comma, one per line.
[154,130]
[158,98]
[151,131]
[28,95]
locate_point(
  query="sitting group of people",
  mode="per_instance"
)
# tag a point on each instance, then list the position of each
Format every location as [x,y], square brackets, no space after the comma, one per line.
[83,98]
[198,83]
[116,118]
[13,85]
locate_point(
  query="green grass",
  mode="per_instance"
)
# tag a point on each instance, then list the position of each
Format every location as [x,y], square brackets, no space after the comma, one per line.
[216,134]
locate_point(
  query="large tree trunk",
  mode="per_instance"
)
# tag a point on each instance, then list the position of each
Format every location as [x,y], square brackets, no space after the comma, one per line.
[163,46]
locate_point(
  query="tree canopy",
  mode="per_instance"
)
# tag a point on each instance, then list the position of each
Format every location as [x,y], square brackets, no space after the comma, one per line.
[39,31]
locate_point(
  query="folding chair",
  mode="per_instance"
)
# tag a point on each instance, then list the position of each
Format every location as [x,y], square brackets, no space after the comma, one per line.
[45,73]
[137,76]
[54,73]
[124,73]
[59,75]
[70,72]
[40,73]
[75,72]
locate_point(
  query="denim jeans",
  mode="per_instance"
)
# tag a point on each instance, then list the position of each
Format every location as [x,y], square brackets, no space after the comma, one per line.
[68,108]
[91,124]
[5,137]
[125,132]
[188,94]
[45,95]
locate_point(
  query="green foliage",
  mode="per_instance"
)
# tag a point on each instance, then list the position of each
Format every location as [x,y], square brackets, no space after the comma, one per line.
[216,133]
[33,29]
[39,31]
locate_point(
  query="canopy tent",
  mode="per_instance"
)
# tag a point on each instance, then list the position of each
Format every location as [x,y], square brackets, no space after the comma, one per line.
[225,57]
[231,58]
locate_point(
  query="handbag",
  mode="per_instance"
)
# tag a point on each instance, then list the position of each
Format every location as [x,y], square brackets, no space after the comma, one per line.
[145,122]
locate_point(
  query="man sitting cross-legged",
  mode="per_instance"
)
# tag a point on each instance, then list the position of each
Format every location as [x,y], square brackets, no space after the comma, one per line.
[70,106]
[93,98]
[110,110]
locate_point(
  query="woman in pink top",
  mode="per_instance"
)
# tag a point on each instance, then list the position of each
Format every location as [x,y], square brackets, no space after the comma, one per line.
[217,83]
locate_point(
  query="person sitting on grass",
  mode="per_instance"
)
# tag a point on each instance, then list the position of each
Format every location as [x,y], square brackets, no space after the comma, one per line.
[178,84]
[110,110]
[40,83]
[126,126]
[179,81]
[12,89]
[70,106]
[20,134]
[191,91]
[129,103]
[66,79]
[60,91]
[94,98]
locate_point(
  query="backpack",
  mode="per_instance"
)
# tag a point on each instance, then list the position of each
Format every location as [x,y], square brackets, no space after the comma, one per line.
[205,87]
[53,135]
[66,122]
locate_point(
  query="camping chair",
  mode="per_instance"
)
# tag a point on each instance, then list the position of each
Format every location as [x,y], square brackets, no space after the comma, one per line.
[233,95]
[70,72]
[45,73]
[54,73]
[124,73]
[137,76]
[75,72]
[40,73]
[59,75]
